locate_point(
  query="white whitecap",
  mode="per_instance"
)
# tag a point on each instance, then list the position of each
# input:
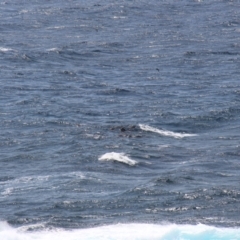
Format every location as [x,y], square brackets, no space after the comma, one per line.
[119,17]
[7,191]
[165,132]
[56,27]
[53,49]
[119,157]
[123,232]
[2,49]
[24,11]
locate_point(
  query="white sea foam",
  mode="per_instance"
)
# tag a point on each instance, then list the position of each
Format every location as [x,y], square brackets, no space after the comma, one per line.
[119,157]
[124,232]
[7,191]
[165,132]
[119,17]
[56,27]
[2,49]
[24,11]
[53,49]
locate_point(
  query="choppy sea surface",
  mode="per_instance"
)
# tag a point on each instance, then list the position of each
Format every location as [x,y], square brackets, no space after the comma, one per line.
[119,119]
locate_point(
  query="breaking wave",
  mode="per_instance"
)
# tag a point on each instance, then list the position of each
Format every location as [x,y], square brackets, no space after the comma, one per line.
[3,49]
[165,132]
[124,232]
[119,157]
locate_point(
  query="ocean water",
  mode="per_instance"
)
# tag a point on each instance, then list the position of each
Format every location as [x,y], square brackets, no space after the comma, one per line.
[119,119]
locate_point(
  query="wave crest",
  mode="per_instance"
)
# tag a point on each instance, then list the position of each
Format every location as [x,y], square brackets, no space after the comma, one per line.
[124,232]
[165,132]
[119,157]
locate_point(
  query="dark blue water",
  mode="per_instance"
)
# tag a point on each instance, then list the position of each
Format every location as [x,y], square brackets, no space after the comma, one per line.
[119,112]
